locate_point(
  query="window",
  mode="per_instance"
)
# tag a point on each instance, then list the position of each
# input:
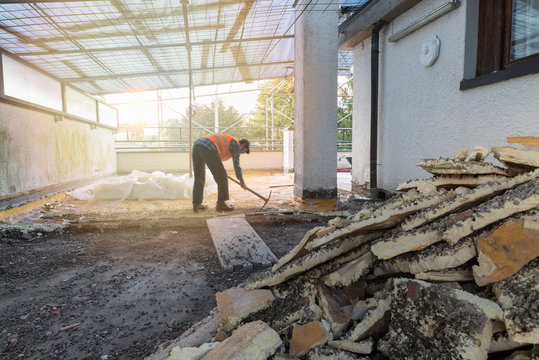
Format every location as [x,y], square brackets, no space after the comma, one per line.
[508,36]
[27,84]
[524,29]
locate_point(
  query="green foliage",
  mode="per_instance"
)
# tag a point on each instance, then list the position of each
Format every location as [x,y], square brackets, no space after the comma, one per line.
[344,111]
[204,120]
[283,105]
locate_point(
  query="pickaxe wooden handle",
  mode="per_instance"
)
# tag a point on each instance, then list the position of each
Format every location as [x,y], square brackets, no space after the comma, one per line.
[254,192]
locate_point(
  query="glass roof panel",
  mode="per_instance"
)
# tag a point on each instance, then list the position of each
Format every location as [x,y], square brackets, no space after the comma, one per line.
[109,46]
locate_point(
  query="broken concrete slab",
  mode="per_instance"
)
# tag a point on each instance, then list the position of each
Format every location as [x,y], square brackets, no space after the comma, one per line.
[506,249]
[448,275]
[386,216]
[191,353]
[293,300]
[452,181]
[336,307]
[462,154]
[312,259]
[255,340]
[331,353]
[445,166]
[350,272]
[285,357]
[519,298]
[360,347]
[308,336]
[235,304]
[479,153]
[503,342]
[369,209]
[522,355]
[374,322]
[299,250]
[518,159]
[439,322]
[406,241]
[239,246]
[518,199]
[436,257]
[202,332]
[464,199]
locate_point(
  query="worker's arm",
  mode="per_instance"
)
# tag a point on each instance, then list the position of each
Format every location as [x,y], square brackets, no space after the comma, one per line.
[235,150]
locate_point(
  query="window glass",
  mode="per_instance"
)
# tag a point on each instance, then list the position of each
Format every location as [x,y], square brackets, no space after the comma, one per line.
[80,105]
[30,85]
[525,29]
[108,115]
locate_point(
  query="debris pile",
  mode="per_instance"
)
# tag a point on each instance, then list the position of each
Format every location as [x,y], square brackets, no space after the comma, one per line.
[445,270]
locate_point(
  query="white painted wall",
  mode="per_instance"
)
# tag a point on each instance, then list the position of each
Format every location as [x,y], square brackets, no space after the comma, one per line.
[423,114]
[178,162]
[36,151]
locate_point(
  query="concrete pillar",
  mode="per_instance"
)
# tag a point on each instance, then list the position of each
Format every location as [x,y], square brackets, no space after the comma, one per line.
[288,150]
[315,89]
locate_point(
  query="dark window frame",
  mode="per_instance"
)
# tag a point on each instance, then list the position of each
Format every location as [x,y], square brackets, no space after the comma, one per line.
[494,47]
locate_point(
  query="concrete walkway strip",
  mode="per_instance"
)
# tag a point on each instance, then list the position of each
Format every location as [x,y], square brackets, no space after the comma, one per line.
[238,245]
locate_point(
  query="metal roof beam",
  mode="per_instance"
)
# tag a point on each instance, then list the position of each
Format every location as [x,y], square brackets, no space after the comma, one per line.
[240,19]
[170,72]
[116,34]
[185,86]
[149,47]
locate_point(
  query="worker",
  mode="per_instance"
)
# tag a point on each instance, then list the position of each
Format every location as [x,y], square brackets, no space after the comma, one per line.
[212,149]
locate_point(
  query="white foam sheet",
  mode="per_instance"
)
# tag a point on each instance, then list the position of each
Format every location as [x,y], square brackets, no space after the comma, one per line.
[144,186]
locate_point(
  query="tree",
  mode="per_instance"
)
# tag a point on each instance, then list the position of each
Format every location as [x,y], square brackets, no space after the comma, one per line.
[280,94]
[344,111]
[230,119]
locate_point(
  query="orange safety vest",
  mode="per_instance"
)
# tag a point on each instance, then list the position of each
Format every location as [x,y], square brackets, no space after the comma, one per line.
[222,143]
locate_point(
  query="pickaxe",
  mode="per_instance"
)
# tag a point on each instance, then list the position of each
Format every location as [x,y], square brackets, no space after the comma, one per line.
[254,192]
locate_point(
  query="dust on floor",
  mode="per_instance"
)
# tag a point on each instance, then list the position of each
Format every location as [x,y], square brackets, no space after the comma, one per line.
[125,290]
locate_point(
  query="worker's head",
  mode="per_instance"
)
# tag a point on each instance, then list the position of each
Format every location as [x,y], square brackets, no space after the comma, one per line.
[245,144]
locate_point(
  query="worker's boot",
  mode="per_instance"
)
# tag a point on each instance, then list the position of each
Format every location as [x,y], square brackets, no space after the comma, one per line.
[198,207]
[222,206]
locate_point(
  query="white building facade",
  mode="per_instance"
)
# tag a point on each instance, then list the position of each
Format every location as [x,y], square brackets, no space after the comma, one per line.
[432,106]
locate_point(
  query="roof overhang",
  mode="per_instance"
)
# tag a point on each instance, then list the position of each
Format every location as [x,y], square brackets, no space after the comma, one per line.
[359,26]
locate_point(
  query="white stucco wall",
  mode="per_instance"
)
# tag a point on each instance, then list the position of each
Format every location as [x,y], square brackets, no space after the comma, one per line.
[423,114]
[36,151]
[178,162]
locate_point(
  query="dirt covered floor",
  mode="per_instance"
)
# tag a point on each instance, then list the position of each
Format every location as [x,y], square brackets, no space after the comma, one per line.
[113,280]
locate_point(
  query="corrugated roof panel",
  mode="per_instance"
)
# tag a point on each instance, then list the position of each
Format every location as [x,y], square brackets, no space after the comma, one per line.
[105,46]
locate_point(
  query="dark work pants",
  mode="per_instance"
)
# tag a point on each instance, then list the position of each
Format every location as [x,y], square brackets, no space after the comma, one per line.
[203,156]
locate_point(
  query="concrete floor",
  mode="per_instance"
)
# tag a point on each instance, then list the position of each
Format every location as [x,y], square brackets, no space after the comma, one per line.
[60,208]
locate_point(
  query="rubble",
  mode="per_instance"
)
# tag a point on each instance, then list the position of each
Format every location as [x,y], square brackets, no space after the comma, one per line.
[236,304]
[435,319]
[429,273]
[381,218]
[517,159]
[479,153]
[523,197]
[504,250]
[444,166]
[255,340]
[465,199]
[519,299]
[439,256]
[360,347]
[451,181]
[305,337]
